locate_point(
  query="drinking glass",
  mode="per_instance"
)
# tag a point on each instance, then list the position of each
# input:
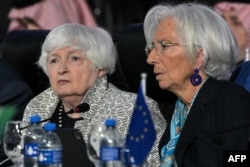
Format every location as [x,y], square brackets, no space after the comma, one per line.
[13,141]
[93,144]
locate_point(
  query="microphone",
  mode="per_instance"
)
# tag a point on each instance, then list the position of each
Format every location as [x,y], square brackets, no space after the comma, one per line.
[79,109]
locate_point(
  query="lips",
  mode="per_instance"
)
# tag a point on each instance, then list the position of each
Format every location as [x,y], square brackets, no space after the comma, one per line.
[62,81]
[157,75]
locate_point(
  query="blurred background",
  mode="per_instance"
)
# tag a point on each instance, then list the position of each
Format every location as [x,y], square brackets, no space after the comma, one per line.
[110,14]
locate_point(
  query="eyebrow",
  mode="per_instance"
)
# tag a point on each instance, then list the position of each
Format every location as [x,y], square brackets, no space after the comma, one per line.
[53,55]
[165,41]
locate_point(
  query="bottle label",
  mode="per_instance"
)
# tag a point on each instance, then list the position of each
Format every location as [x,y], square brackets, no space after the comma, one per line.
[30,149]
[50,156]
[110,153]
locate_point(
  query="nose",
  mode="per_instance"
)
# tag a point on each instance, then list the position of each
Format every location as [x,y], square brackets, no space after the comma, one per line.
[63,67]
[151,58]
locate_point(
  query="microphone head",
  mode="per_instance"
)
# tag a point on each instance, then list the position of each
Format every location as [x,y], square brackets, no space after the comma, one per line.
[79,109]
[82,107]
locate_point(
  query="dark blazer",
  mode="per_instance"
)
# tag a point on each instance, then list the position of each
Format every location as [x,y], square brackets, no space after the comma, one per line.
[214,125]
[13,89]
[241,75]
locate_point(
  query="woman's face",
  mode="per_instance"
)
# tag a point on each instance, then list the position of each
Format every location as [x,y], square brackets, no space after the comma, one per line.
[172,67]
[70,73]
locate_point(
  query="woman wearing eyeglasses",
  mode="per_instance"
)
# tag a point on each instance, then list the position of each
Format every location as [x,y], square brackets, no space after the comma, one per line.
[193,52]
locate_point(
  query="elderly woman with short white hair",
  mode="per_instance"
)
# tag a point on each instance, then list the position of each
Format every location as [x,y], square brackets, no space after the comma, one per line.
[77,60]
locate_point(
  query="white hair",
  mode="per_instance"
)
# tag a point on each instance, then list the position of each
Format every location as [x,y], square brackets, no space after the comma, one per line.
[95,42]
[198,25]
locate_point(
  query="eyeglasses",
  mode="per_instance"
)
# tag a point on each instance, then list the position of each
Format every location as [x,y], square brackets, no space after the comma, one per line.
[161,47]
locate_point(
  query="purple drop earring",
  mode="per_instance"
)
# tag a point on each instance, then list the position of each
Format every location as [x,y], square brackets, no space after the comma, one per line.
[196,78]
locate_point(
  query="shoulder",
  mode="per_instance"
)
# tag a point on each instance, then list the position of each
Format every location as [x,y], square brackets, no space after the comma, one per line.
[12,85]
[151,103]
[43,104]
[131,96]
[8,73]
[241,75]
[47,96]
[15,90]
[18,94]
[231,90]
[225,96]
[15,93]
[113,91]
[128,101]
[225,88]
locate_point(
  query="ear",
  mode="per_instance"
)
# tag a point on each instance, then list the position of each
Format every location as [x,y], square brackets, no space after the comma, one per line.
[199,58]
[102,72]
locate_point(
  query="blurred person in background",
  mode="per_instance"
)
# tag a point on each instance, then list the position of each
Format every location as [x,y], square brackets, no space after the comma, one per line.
[193,52]
[14,92]
[237,17]
[4,21]
[48,14]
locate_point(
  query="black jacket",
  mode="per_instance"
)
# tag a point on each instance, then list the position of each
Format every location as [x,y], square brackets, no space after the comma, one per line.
[13,89]
[13,92]
[216,123]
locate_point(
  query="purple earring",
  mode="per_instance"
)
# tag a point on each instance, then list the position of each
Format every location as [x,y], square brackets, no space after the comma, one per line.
[196,78]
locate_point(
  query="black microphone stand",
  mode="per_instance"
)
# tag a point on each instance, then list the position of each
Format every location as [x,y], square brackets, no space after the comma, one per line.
[48,119]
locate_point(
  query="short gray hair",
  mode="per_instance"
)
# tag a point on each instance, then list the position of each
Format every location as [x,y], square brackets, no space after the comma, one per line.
[95,42]
[198,25]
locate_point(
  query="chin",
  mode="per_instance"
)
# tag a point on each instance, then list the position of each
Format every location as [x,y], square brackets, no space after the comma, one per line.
[164,86]
[63,93]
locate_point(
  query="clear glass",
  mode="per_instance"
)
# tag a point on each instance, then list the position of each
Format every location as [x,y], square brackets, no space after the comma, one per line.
[13,141]
[93,144]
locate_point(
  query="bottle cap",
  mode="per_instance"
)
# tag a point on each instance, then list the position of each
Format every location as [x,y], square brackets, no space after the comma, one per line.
[110,122]
[35,119]
[50,126]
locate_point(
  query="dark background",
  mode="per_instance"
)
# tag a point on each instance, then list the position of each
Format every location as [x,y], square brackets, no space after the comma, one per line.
[111,14]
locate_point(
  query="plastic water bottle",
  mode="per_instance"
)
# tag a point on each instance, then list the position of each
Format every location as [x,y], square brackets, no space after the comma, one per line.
[111,145]
[50,148]
[31,138]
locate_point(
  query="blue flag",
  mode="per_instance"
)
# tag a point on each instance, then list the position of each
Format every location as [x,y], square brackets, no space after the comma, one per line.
[141,133]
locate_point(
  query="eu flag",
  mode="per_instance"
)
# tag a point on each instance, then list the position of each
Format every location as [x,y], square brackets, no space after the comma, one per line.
[141,133]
